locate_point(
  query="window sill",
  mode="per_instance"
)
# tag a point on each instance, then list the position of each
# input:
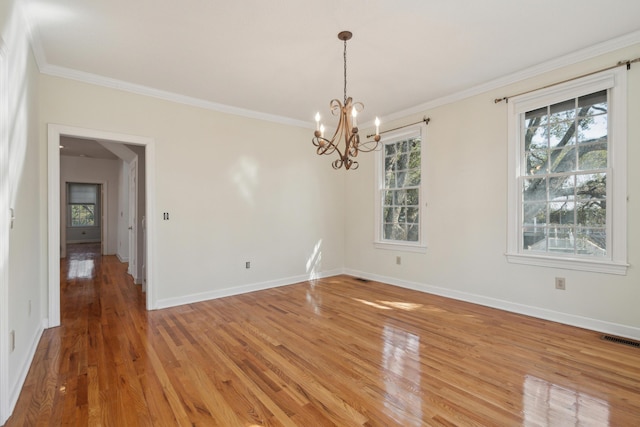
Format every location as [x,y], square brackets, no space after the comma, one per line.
[594,266]
[400,247]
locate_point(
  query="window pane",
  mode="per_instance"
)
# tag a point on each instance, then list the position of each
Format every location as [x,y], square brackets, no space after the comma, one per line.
[413,215]
[536,138]
[390,180]
[82,215]
[537,162]
[591,241]
[400,210]
[562,213]
[561,188]
[412,197]
[563,160]
[534,239]
[591,186]
[593,129]
[593,155]
[534,213]
[592,213]
[561,240]
[534,189]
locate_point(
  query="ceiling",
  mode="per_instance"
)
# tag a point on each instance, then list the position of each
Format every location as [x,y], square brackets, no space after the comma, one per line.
[281,59]
[81,147]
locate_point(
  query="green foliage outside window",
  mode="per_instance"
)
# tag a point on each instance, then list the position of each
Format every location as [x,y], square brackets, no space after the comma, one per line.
[83,215]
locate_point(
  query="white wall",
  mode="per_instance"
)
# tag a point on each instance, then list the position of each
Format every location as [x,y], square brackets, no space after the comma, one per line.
[236,189]
[26,260]
[466,155]
[122,250]
[93,171]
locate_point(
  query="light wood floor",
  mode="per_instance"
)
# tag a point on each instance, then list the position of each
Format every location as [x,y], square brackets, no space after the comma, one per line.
[331,352]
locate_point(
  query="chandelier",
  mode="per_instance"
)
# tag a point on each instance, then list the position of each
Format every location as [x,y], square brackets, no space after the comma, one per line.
[346,140]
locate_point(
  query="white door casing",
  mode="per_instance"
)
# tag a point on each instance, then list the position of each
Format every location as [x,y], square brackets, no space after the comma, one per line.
[54,132]
[133,218]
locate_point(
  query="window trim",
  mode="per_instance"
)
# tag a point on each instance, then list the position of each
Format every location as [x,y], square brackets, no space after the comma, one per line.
[615,81]
[392,137]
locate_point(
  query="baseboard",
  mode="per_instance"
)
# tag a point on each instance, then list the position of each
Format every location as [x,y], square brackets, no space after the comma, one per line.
[243,289]
[16,388]
[541,313]
[122,259]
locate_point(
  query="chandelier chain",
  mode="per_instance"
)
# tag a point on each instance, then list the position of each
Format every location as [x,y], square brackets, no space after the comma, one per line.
[345,71]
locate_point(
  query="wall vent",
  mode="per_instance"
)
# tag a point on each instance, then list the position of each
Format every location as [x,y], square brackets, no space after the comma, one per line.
[619,340]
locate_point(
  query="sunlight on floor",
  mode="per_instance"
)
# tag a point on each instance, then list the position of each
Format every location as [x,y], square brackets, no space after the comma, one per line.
[372,304]
[546,403]
[390,305]
[401,356]
[408,306]
[81,269]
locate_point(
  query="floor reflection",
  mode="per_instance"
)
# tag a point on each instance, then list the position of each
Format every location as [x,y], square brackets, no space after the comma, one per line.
[401,356]
[547,404]
[81,269]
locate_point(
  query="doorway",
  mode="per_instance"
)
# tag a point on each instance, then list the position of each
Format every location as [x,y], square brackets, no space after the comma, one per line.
[55,133]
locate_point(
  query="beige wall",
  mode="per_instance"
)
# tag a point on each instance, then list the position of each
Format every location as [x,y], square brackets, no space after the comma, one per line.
[466,155]
[237,190]
[26,260]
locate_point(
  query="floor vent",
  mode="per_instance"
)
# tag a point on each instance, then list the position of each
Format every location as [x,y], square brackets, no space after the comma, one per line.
[619,340]
[360,279]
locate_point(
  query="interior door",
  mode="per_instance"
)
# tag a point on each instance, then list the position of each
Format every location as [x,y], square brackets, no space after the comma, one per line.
[133,229]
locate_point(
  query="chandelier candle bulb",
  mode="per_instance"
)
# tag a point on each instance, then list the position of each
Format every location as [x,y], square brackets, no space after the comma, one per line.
[318,121]
[354,114]
[377,126]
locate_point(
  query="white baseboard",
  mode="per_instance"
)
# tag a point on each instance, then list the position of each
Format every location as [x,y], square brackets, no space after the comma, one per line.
[243,289]
[541,313]
[122,259]
[16,387]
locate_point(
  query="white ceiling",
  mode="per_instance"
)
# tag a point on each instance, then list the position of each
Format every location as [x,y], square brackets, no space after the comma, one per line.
[282,60]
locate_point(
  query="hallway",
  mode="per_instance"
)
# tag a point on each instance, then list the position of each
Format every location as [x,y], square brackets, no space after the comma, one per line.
[101,311]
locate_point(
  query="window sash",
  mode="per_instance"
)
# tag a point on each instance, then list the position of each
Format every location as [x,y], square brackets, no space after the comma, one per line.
[399,214]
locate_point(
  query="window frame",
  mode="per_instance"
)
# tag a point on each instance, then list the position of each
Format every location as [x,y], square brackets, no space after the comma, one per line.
[418,130]
[96,206]
[615,82]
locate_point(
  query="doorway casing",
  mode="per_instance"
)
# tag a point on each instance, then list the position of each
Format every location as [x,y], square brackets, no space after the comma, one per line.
[54,132]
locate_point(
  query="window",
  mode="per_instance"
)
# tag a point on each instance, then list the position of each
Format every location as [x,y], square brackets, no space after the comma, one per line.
[400,192]
[82,201]
[566,189]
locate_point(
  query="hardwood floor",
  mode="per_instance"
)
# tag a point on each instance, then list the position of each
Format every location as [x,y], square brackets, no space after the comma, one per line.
[333,352]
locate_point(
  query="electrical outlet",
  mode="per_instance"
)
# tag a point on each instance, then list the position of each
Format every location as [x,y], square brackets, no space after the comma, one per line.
[560,283]
[398,260]
[247,264]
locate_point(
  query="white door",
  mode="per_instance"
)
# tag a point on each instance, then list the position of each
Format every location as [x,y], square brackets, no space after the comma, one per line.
[133,229]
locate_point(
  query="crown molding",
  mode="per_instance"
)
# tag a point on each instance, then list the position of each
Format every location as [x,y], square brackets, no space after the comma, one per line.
[99,80]
[554,64]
